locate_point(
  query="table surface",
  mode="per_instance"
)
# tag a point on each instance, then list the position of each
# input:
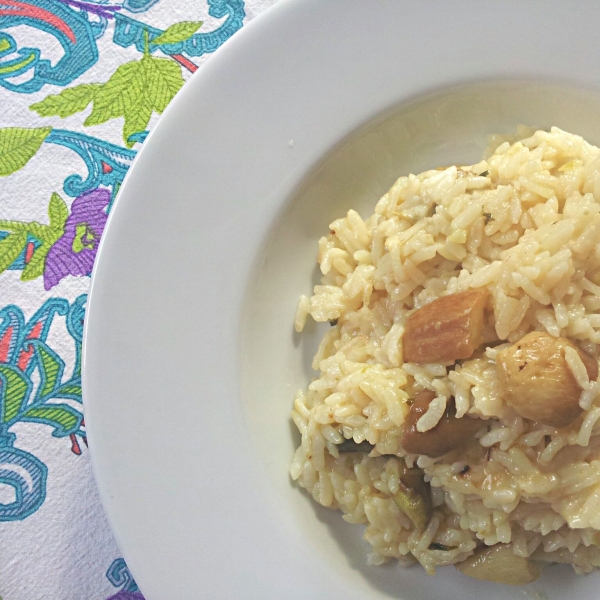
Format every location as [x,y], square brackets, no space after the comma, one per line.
[81,84]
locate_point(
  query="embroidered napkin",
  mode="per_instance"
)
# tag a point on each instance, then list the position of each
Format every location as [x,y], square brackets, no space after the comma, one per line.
[81,84]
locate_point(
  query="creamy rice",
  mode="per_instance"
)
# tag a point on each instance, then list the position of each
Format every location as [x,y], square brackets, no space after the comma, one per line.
[525,225]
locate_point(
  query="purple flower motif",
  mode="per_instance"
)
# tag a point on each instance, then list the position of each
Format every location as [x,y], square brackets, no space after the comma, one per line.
[102,10]
[123,595]
[75,251]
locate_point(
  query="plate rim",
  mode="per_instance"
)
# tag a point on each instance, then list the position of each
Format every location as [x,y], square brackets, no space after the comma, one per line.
[283,10]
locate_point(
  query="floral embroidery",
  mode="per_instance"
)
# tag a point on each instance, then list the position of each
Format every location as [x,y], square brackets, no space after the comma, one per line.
[46,43]
[75,251]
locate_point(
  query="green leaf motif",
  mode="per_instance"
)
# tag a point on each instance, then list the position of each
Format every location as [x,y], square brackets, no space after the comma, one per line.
[51,368]
[42,232]
[136,90]
[137,105]
[15,390]
[57,213]
[62,417]
[109,98]
[18,146]
[163,81]
[35,267]
[69,390]
[179,32]
[12,245]
[16,226]
[38,230]
[67,103]
[10,248]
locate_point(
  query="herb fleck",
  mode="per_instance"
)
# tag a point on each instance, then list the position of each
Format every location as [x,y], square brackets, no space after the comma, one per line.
[464,470]
[488,217]
[484,174]
[438,546]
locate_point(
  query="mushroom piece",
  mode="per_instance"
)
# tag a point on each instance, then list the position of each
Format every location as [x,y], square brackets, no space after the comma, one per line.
[448,434]
[500,564]
[447,329]
[535,378]
[413,497]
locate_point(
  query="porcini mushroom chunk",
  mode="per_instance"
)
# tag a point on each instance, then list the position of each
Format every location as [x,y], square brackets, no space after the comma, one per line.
[535,378]
[447,329]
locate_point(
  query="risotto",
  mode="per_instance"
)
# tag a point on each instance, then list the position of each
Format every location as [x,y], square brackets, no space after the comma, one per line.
[456,412]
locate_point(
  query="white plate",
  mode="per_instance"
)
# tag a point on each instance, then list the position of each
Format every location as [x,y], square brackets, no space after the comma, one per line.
[190,362]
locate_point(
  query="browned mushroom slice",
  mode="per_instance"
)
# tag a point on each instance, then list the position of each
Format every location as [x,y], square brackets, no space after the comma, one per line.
[499,563]
[536,381]
[447,329]
[448,434]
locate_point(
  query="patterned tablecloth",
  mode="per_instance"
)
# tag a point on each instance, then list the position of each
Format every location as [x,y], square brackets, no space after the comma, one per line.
[81,83]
